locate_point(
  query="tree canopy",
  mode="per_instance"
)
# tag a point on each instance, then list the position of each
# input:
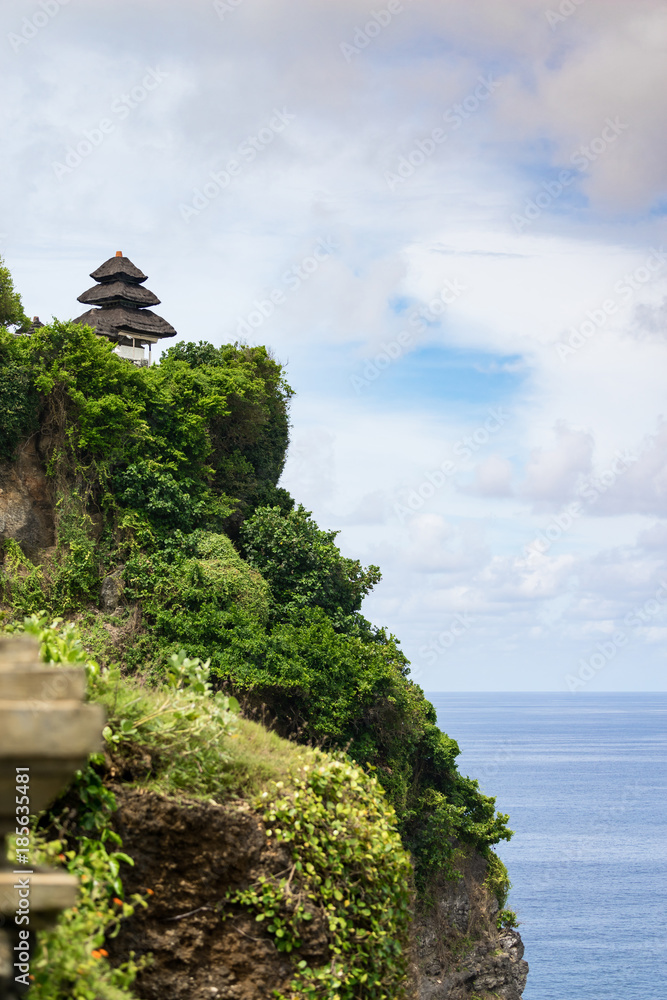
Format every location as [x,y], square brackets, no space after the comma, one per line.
[156,472]
[177,441]
[11,307]
[302,564]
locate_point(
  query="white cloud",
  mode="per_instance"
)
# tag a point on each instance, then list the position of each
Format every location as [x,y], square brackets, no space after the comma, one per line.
[552,474]
[643,487]
[493,478]
[354,457]
[435,546]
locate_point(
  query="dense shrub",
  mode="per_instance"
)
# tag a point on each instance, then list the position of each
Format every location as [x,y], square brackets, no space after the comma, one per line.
[161,457]
[249,446]
[174,441]
[11,307]
[18,396]
[348,862]
[303,565]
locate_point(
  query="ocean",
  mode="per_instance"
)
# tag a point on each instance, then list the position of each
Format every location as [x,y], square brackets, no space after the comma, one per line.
[584,779]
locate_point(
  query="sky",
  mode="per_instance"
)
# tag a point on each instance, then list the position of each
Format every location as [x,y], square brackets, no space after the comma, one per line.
[448,220]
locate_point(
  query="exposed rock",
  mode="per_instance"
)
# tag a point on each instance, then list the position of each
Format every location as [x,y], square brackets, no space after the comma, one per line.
[459,952]
[26,504]
[111,591]
[189,854]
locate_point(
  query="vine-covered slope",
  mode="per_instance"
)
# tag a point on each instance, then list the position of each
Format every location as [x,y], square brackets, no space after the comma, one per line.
[151,471]
[170,533]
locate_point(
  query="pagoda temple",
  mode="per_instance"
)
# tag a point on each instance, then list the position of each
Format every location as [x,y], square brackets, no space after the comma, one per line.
[120,312]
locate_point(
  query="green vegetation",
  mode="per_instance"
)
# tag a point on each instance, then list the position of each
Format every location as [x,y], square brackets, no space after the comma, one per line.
[18,396]
[11,307]
[174,441]
[152,465]
[498,882]
[17,393]
[166,477]
[71,962]
[184,721]
[66,581]
[347,860]
[303,566]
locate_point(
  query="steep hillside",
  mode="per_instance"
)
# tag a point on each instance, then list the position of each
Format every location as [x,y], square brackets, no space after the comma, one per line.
[142,505]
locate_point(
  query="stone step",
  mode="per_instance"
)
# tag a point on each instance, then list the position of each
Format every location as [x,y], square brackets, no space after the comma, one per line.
[43,684]
[49,892]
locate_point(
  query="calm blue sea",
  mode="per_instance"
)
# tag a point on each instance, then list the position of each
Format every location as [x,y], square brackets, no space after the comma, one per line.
[584,779]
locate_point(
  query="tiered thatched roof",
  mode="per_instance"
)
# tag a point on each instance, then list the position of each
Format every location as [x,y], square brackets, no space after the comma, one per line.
[119,267]
[118,293]
[121,312]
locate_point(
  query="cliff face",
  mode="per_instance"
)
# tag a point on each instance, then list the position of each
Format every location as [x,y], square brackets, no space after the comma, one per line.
[26,502]
[190,854]
[459,951]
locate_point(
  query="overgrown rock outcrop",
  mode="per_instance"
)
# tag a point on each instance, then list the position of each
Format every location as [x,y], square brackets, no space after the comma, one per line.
[459,952]
[26,501]
[146,509]
[189,855]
